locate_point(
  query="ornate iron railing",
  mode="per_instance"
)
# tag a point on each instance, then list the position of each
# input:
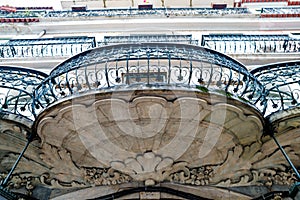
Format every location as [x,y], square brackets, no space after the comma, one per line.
[46,47]
[130,12]
[282,81]
[270,88]
[16,90]
[249,44]
[149,65]
[35,8]
[21,14]
[182,39]
[282,10]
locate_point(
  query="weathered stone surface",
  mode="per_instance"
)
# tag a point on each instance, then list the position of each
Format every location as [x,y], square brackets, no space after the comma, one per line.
[147,136]
[157,137]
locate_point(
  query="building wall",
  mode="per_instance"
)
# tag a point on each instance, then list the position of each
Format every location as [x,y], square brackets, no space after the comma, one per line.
[56,4]
[99,4]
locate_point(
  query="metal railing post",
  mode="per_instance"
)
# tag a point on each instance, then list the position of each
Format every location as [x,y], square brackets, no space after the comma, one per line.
[295,188]
[5,181]
[286,157]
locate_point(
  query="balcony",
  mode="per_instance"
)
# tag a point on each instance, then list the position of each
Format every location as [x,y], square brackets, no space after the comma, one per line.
[17,86]
[281,80]
[181,116]
[127,107]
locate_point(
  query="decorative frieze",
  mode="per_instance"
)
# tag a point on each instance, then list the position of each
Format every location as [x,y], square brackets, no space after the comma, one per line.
[193,176]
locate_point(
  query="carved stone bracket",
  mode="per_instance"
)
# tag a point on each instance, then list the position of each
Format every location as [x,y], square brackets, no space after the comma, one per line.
[70,175]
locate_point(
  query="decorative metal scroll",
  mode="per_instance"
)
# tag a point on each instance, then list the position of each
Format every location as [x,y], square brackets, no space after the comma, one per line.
[46,47]
[149,64]
[182,39]
[16,90]
[250,44]
[282,81]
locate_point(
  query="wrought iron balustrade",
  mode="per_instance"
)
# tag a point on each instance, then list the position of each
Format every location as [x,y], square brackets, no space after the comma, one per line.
[19,14]
[34,8]
[205,11]
[281,10]
[46,47]
[183,39]
[131,12]
[250,44]
[16,90]
[149,65]
[282,81]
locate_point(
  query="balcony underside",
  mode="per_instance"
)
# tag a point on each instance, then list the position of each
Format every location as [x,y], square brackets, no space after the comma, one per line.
[144,133]
[184,139]
[153,136]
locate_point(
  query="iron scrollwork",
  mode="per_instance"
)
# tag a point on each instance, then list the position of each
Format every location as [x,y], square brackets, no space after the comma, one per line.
[281,80]
[17,85]
[46,47]
[183,39]
[149,64]
[251,44]
[133,12]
